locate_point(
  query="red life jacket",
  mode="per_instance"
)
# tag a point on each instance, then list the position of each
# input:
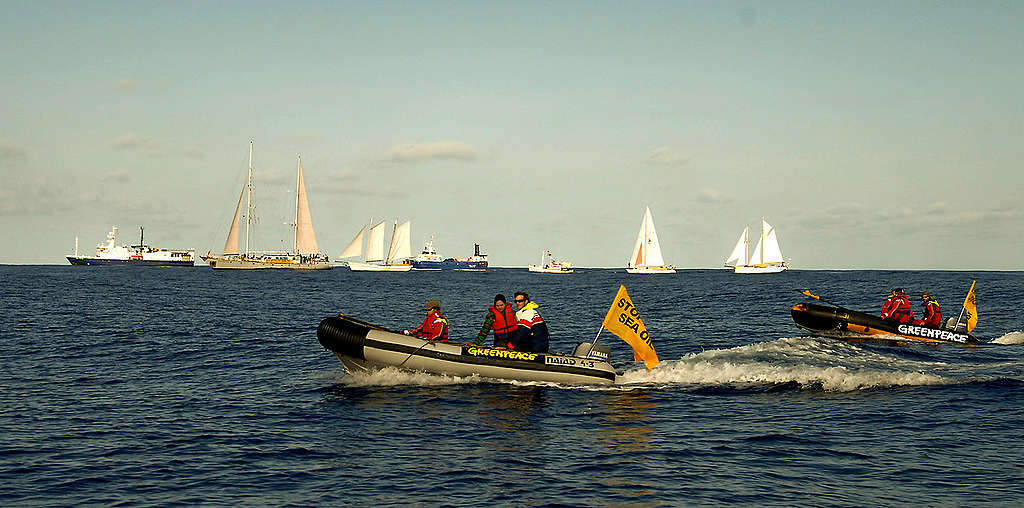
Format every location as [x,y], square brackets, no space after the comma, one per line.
[897,308]
[932,314]
[504,321]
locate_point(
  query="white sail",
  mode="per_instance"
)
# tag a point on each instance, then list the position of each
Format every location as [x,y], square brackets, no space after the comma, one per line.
[739,252]
[771,251]
[639,252]
[401,240]
[654,257]
[231,245]
[375,242]
[355,247]
[305,239]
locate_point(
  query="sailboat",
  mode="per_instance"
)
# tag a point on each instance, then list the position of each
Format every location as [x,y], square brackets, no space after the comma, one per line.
[307,255]
[767,256]
[398,251]
[549,265]
[647,256]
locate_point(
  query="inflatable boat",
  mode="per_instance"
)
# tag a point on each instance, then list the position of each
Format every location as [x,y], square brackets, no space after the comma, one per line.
[858,326]
[361,346]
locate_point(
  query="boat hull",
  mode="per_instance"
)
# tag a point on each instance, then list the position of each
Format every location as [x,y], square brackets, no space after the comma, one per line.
[851,325]
[92,261]
[544,269]
[748,269]
[651,269]
[369,267]
[237,263]
[450,264]
[363,346]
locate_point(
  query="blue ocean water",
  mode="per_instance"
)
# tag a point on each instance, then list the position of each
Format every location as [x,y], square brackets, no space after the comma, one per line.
[135,386]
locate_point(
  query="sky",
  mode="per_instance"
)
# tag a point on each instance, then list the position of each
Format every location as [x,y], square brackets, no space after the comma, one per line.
[872,135]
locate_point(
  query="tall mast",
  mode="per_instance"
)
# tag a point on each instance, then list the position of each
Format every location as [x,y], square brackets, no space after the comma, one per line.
[764,245]
[747,246]
[248,202]
[296,225]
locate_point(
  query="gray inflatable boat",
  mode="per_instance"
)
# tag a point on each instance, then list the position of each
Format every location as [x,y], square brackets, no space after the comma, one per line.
[361,346]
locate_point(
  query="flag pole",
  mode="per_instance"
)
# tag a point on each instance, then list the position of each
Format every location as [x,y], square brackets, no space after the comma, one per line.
[963,307]
[591,350]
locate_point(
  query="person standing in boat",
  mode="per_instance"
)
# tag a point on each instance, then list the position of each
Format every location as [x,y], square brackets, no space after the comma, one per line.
[932,313]
[502,319]
[531,333]
[897,307]
[435,325]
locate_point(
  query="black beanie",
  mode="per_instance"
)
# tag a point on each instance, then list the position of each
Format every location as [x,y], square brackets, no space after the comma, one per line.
[500,297]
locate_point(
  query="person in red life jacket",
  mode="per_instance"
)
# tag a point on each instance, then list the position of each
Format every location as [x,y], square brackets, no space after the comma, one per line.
[531,333]
[434,327]
[932,314]
[502,319]
[897,307]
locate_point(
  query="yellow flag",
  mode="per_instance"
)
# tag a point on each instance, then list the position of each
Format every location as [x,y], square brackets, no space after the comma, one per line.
[624,320]
[971,309]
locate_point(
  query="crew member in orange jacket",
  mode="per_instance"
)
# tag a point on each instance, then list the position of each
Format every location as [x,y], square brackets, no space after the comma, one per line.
[932,314]
[897,307]
[502,319]
[434,327]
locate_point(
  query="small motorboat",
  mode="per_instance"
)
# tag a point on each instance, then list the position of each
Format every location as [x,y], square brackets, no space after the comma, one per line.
[834,321]
[361,346]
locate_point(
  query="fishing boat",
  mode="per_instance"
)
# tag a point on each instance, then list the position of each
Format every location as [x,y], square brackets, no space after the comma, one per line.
[839,322]
[767,255]
[549,265]
[306,255]
[647,256]
[109,253]
[428,259]
[398,252]
[361,346]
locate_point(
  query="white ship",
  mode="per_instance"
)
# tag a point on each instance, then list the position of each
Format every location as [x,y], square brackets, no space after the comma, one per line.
[307,255]
[767,255]
[109,253]
[396,259]
[549,265]
[647,256]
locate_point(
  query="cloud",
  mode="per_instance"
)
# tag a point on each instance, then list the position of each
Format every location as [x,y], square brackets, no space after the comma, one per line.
[709,195]
[410,152]
[668,157]
[11,153]
[132,141]
[125,85]
[117,175]
[348,182]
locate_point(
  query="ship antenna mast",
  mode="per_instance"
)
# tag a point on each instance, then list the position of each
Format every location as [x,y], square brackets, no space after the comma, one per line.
[248,202]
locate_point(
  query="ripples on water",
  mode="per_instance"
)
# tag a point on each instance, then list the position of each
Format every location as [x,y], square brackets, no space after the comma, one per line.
[177,386]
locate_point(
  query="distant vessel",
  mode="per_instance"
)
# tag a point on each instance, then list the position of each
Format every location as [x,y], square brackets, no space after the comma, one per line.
[306,257]
[428,259]
[110,253]
[549,265]
[398,251]
[647,256]
[767,256]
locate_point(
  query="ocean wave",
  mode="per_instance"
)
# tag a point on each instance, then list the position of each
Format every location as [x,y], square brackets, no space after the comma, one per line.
[836,367]
[390,376]
[1012,338]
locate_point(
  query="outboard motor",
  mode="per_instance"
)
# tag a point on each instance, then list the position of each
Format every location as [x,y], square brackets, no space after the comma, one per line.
[951,325]
[589,350]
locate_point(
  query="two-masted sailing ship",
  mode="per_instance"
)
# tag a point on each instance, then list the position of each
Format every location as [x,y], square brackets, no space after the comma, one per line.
[306,256]
[767,255]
